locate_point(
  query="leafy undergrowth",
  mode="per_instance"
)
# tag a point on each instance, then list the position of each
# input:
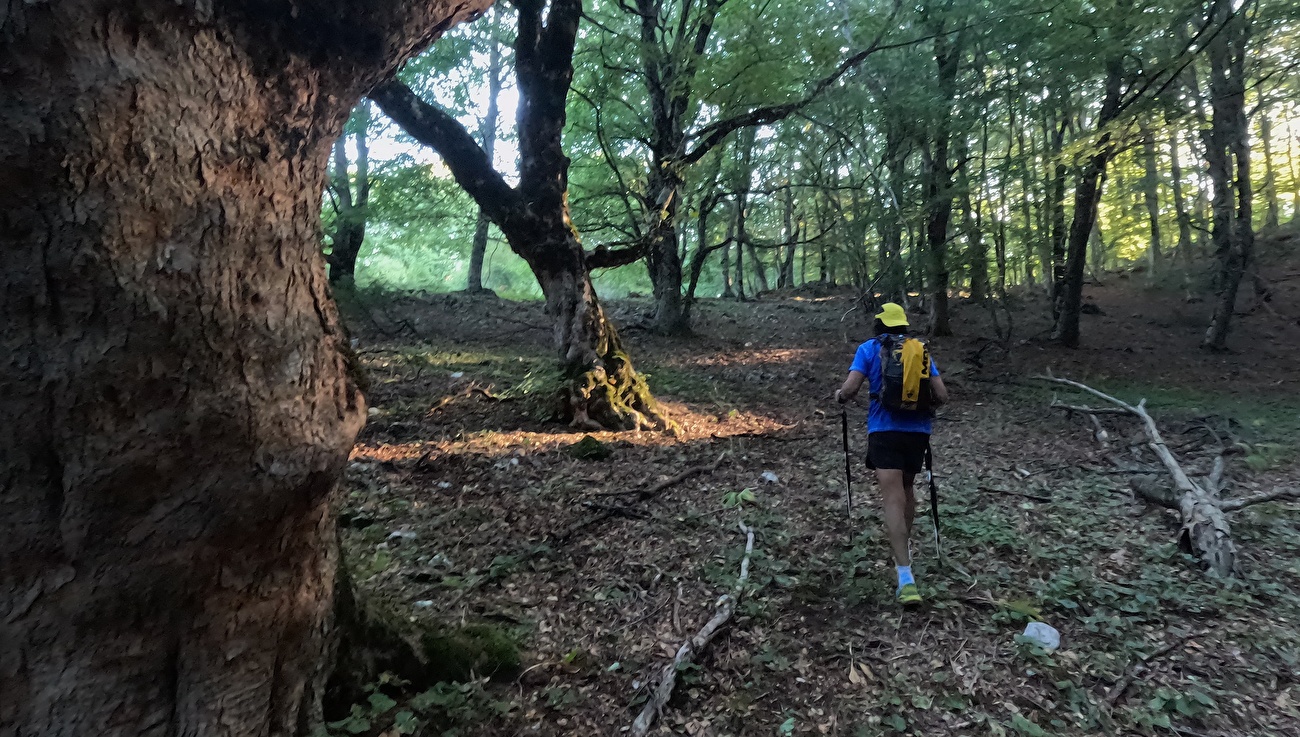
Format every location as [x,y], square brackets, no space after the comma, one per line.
[464,508]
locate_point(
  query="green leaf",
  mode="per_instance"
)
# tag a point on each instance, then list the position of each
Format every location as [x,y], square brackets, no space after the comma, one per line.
[1026,727]
[405,722]
[380,703]
[897,722]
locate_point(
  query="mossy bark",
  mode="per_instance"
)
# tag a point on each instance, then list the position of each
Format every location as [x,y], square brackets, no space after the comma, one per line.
[602,390]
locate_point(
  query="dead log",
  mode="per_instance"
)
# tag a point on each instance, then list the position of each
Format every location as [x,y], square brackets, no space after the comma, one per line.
[690,649]
[1205,532]
[1231,505]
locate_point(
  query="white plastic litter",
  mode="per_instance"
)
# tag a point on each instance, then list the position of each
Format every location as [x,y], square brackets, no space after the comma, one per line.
[458,375]
[1043,635]
[770,477]
[423,604]
[400,536]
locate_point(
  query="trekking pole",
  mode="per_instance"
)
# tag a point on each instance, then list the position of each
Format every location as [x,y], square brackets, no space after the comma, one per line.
[848,473]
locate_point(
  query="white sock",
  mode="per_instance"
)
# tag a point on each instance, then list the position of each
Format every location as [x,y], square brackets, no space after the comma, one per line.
[905,576]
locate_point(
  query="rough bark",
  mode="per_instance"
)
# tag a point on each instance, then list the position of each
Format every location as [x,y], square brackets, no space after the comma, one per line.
[1087,195]
[488,139]
[601,388]
[177,403]
[1227,147]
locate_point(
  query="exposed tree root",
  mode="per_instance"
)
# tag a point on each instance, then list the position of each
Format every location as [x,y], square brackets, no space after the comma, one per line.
[370,639]
[1205,531]
[611,395]
[692,648]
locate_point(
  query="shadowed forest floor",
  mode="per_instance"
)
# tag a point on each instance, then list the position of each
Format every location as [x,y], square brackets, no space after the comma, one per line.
[457,504]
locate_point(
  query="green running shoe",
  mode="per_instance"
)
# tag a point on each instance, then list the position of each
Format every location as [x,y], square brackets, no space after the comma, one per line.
[908,596]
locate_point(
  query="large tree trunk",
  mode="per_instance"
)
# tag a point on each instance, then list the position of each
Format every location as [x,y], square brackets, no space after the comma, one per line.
[603,391]
[488,139]
[1228,156]
[1087,195]
[177,404]
[662,258]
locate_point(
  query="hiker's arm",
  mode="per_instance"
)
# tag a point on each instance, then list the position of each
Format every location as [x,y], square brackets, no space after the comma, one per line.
[938,392]
[851,387]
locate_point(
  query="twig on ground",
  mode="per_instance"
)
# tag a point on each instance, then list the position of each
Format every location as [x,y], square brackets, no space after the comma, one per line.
[1117,691]
[643,494]
[993,490]
[726,607]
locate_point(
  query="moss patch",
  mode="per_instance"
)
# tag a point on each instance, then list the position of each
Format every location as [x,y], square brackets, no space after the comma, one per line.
[472,650]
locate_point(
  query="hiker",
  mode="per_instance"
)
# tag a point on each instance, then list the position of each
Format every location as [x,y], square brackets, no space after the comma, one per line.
[903,396]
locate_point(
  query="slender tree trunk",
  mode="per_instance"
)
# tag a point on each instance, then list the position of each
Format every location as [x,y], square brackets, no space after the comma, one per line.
[786,277]
[1151,196]
[1228,150]
[977,256]
[726,262]
[1184,248]
[1057,204]
[891,228]
[488,140]
[1273,213]
[1087,195]
[177,401]
[350,223]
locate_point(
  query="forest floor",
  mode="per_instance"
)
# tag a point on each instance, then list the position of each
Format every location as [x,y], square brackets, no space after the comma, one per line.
[462,509]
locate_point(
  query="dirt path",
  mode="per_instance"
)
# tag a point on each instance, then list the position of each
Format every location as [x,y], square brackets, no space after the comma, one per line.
[456,503]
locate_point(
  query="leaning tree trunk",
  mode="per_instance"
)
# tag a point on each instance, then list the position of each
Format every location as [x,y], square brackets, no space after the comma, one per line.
[1087,196]
[177,405]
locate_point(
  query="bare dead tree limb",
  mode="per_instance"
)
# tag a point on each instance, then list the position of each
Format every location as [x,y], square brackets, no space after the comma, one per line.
[692,648]
[1231,505]
[1205,531]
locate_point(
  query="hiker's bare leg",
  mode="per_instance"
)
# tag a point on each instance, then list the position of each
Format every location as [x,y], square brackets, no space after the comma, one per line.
[899,509]
[909,487]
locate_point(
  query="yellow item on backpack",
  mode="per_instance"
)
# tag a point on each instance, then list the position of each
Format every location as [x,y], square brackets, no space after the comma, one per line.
[915,368]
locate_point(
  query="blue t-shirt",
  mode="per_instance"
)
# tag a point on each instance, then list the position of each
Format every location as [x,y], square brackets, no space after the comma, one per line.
[879,417]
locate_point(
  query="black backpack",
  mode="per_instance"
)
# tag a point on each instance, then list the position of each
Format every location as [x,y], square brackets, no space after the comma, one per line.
[905,374]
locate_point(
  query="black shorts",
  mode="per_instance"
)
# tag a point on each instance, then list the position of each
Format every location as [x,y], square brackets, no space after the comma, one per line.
[904,451]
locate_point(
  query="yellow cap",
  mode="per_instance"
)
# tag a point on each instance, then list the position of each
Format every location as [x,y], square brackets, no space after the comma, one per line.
[892,315]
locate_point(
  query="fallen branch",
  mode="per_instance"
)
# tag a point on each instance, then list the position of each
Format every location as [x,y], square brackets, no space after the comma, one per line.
[1205,529]
[659,487]
[1117,691]
[1229,505]
[690,649]
[994,490]
[641,495]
